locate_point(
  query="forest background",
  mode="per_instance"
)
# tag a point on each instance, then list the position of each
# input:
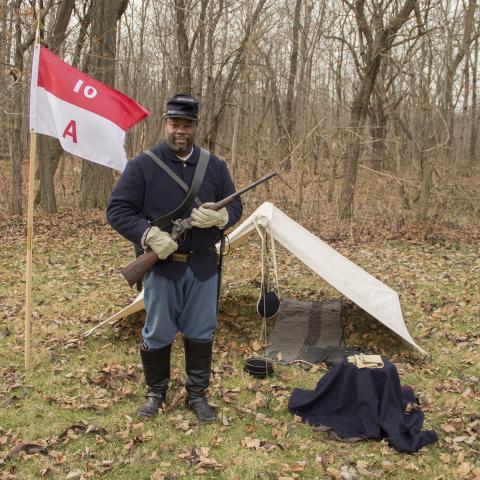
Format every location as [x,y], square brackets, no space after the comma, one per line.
[368,111]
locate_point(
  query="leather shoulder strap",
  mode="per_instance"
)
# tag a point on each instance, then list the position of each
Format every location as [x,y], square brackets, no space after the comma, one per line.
[192,192]
[170,173]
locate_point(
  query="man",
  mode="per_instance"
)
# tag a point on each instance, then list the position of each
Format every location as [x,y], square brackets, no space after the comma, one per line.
[181,289]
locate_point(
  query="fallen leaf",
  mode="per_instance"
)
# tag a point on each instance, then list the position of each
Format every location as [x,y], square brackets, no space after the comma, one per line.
[464,469]
[82,427]
[348,473]
[158,475]
[334,473]
[28,448]
[362,467]
[249,442]
[74,474]
[448,428]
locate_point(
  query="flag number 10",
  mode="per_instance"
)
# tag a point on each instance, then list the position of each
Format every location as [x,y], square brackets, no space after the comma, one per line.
[88,90]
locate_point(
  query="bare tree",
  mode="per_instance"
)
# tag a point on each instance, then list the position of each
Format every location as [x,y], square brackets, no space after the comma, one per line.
[455,58]
[307,84]
[15,130]
[23,39]
[185,46]
[232,77]
[472,153]
[4,68]
[292,75]
[376,39]
[50,149]
[96,180]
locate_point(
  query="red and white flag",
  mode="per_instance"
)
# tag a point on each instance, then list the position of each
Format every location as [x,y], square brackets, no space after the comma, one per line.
[88,117]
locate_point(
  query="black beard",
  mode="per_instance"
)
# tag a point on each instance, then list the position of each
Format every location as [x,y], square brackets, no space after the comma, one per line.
[179,150]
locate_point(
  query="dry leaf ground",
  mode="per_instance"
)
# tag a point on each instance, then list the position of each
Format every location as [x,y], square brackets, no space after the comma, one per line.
[72,415]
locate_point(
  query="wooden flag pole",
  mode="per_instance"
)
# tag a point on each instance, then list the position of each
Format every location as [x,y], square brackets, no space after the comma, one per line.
[28,282]
[30,200]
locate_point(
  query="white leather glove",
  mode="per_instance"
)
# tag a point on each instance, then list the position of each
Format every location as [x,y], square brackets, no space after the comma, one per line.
[203,217]
[160,242]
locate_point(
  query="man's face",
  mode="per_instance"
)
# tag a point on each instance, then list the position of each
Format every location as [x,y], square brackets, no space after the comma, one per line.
[180,134]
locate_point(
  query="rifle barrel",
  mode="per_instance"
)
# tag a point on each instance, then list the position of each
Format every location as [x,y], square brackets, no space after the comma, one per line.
[228,199]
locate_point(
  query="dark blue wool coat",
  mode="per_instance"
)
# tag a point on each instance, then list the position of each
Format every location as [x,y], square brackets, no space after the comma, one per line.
[368,403]
[145,192]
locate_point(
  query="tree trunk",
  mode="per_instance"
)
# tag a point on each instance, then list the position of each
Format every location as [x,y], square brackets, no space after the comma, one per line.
[472,153]
[183,81]
[97,181]
[49,153]
[292,75]
[15,100]
[15,124]
[452,69]
[379,133]
[82,35]
[283,142]
[237,116]
[4,54]
[232,77]
[16,150]
[426,185]
[351,166]
[49,148]
[376,47]
[200,57]
[208,106]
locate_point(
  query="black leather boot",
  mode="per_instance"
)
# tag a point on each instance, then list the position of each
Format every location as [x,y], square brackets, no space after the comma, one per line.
[198,362]
[156,368]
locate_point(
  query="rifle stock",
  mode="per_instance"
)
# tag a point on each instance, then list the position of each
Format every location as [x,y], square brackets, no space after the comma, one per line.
[135,270]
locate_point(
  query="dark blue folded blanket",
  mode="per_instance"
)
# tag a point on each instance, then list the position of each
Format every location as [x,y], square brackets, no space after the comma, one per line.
[368,403]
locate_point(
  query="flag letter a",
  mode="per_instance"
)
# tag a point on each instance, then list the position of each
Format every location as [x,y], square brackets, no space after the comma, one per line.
[71,130]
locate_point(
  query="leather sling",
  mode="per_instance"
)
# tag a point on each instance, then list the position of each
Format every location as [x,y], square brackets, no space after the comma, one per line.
[198,176]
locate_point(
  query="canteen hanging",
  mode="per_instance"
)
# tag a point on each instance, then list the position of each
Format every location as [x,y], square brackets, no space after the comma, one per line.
[268,304]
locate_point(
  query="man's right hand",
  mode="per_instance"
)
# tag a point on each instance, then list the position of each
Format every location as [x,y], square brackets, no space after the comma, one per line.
[161,243]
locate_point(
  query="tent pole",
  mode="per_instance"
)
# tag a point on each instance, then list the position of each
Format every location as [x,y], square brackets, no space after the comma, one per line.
[125,312]
[108,320]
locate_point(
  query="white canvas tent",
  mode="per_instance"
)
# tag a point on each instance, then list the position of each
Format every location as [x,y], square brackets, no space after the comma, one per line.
[359,286]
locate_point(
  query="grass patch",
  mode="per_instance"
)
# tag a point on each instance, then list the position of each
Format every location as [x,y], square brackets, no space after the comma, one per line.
[79,400]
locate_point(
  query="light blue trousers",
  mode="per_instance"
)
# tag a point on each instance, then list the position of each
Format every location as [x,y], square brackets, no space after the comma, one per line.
[186,305]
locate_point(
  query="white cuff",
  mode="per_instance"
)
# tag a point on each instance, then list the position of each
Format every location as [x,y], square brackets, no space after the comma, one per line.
[144,238]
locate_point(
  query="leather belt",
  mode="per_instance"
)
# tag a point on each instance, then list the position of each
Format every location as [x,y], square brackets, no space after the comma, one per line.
[185,257]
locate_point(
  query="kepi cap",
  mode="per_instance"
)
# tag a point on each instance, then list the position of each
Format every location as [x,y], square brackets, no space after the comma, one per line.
[182,105]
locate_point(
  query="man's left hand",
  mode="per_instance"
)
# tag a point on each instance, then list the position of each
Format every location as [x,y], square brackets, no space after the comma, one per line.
[203,217]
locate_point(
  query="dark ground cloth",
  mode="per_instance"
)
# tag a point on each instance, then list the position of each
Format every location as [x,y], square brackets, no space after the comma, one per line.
[367,403]
[308,331]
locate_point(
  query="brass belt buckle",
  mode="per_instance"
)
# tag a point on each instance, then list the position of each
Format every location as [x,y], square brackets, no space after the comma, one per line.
[180,257]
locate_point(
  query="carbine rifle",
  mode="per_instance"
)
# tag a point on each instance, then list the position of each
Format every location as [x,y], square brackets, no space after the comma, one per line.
[135,270]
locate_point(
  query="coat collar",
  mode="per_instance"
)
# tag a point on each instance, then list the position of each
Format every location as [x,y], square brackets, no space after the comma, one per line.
[165,152]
